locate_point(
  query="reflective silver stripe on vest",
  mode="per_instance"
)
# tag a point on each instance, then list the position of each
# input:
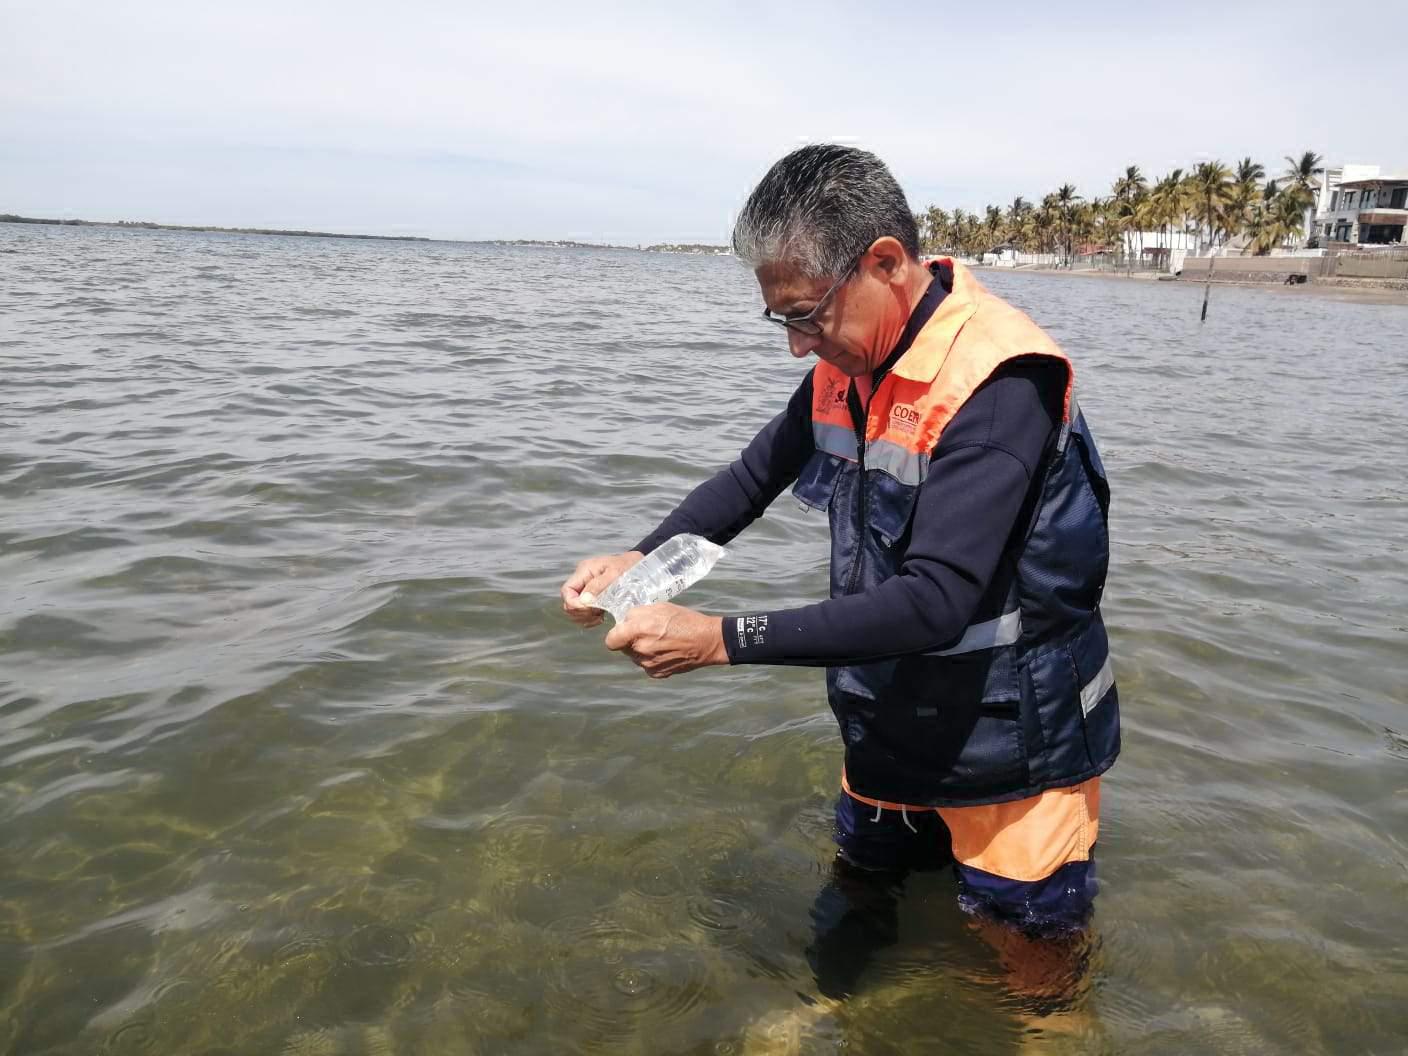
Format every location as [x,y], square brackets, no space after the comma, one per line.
[1093,692]
[1004,630]
[834,440]
[908,467]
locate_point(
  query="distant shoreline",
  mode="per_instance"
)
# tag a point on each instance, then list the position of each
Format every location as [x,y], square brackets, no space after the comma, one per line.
[691,248]
[697,249]
[148,225]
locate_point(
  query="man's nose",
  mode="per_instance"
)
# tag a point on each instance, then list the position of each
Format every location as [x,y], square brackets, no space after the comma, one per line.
[802,345]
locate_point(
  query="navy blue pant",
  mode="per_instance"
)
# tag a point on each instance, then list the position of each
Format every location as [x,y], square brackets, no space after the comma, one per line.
[856,913]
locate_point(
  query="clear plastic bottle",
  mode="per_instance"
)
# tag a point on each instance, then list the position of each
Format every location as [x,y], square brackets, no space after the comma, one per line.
[673,566]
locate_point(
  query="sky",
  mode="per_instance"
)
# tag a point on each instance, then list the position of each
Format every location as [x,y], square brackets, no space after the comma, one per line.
[640,123]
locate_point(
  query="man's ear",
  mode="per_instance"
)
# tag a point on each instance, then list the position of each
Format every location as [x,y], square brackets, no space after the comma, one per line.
[890,258]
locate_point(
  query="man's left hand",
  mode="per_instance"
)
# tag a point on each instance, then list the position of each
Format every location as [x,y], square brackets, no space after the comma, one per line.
[666,640]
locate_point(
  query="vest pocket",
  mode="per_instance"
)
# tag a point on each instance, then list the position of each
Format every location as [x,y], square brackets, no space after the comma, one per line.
[866,681]
[964,721]
[1072,686]
[1095,687]
[816,484]
[889,505]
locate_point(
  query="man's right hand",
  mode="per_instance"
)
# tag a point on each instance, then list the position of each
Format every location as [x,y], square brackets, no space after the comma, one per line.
[593,576]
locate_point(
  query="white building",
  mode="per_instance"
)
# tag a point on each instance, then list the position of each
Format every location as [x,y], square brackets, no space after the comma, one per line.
[1362,205]
[1164,249]
[1329,186]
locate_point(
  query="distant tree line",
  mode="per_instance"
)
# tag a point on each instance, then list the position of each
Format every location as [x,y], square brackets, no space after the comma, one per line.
[689,247]
[544,243]
[1213,202]
[11,218]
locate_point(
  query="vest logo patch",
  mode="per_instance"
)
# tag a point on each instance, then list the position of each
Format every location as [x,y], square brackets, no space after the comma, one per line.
[834,393]
[904,418]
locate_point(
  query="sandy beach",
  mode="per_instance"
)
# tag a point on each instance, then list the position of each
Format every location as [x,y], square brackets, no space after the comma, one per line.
[1347,294]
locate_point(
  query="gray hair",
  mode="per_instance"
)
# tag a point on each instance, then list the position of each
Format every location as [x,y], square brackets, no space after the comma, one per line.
[820,208]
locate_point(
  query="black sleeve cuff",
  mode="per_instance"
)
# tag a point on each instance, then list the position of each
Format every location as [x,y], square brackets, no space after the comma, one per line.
[747,639]
[731,638]
[651,541]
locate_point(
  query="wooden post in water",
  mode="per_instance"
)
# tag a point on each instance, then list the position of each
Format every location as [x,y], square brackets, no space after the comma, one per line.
[1207,287]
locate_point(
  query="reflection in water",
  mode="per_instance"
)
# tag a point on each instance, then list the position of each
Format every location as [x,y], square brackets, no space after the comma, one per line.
[856,915]
[611,984]
[297,756]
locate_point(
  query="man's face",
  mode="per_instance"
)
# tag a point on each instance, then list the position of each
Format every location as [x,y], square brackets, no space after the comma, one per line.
[859,324]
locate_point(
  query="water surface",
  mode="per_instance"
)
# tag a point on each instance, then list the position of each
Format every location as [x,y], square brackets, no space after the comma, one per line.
[297,754]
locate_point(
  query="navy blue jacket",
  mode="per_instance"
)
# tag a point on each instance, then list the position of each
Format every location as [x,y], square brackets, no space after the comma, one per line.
[965,651]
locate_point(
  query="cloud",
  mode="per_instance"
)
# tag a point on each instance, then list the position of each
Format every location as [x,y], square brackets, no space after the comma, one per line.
[635,122]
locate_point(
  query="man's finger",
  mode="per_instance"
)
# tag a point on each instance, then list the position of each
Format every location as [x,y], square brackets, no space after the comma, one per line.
[575,605]
[621,637]
[599,581]
[583,573]
[582,616]
[572,599]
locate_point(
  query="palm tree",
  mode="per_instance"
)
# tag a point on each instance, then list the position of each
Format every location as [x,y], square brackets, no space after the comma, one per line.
[1145,217]
[1301,173]
[1094,223]
[1210,187]
[1014,219]
[935,226]
[971,234]
[992,227]
[1288,219]
[1168,206]
[1129,185]
[1259,225]
[1018,214]
[1220,202]
[1127,193]
[1244,196]
[1046,224]
[1302,170]
[1029,233]
[1066,199]
[958,228]
[1278,221]
[1249,171]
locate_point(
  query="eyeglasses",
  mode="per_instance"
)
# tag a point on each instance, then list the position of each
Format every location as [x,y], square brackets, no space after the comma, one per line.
[807,324]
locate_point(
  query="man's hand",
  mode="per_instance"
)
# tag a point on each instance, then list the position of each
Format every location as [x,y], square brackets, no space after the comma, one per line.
[593,576]
[666,639]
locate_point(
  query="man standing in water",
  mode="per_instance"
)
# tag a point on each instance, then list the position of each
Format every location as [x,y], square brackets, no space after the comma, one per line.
[967,663]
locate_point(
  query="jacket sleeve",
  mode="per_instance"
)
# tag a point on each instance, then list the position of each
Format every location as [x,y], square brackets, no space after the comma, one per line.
[736,496]
[974,496]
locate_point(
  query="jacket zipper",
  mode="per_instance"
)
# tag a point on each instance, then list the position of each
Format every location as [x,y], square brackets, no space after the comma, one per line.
[860,416]
[858,421]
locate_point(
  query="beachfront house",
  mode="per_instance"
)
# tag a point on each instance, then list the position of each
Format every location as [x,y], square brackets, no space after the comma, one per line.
[1004,256]
[1161,250]
[1366,206]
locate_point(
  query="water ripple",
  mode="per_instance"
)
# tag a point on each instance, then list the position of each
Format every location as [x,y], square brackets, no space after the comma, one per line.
[296,753]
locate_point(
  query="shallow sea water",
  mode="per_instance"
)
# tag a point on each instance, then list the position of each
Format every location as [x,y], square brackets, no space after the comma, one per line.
[297,754]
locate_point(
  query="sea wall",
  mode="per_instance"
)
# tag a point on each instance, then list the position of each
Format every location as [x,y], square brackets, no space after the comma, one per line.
[1340,269]
[1251,269]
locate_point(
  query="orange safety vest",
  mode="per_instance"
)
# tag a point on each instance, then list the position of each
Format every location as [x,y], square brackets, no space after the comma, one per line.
[1024,699]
